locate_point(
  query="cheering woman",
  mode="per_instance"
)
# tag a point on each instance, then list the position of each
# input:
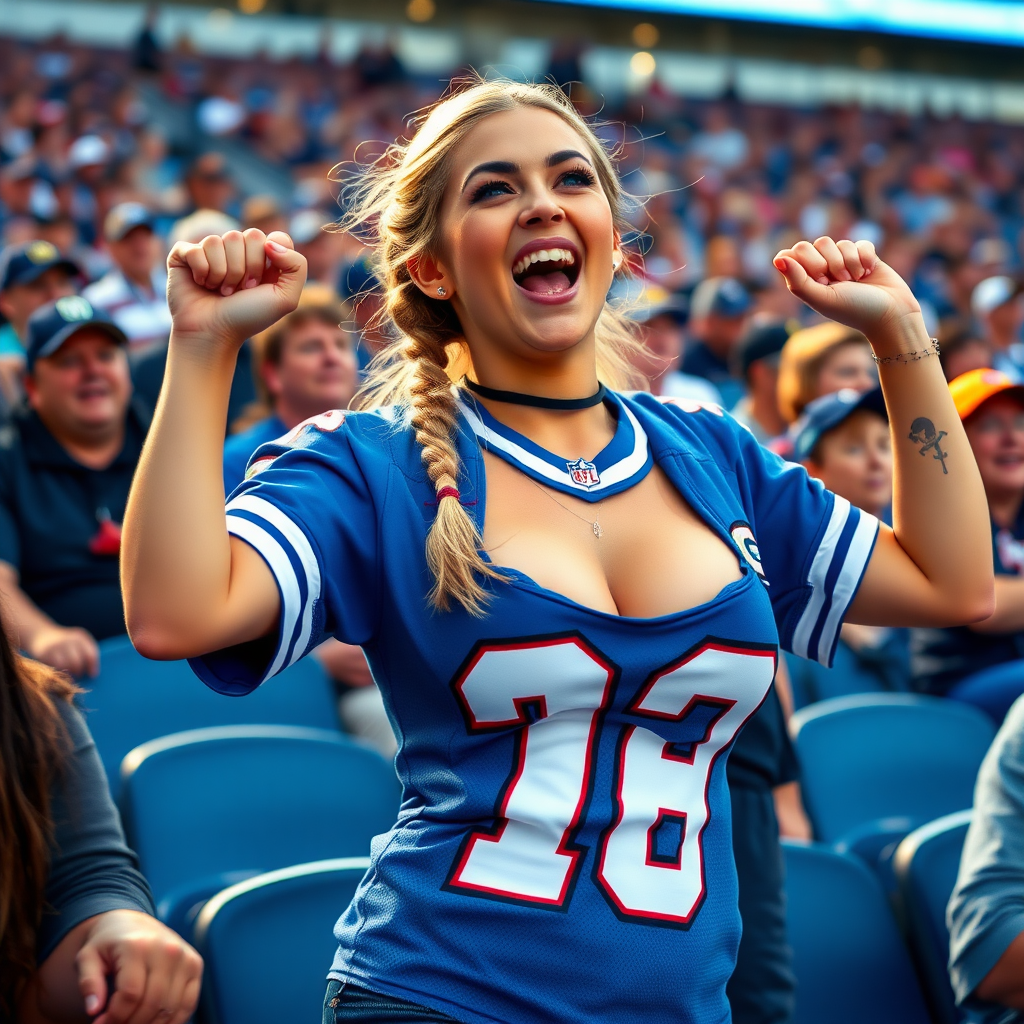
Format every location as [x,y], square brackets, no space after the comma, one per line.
[571,596]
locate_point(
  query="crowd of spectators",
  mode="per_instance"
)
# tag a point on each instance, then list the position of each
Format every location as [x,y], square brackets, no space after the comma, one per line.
[92,196]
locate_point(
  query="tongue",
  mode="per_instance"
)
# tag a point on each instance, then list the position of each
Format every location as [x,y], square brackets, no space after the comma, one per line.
[553,283]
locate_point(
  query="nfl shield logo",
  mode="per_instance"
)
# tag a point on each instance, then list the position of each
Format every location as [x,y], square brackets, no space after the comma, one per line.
[583,473]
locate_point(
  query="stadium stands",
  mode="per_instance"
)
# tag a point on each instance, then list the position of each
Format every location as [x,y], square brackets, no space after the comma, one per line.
[926,865]
[205,808]
[276,925]
[135,700]
[851,965]
[868,759]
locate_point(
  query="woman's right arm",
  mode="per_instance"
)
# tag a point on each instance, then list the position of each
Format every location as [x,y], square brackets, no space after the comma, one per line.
[188,587]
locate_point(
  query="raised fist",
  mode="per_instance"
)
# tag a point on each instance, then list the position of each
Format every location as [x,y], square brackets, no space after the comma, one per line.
[847,282]
[232,286]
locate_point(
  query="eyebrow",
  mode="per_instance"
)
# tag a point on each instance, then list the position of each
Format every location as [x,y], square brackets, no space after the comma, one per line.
[507,167]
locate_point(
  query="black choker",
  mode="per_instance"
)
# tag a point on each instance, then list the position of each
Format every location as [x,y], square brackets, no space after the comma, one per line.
[515,398]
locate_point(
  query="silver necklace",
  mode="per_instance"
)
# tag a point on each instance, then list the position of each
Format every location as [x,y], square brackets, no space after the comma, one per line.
[593,524]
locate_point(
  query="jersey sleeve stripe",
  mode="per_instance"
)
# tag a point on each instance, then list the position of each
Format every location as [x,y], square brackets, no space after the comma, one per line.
[820,565]
[851,572]
[287,582]
[299,543]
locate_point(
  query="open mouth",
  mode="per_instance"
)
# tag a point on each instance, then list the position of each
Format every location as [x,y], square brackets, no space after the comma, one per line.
[547,269]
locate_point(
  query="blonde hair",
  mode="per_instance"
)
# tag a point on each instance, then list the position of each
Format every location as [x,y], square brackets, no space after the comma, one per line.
[800,363]
[394,208]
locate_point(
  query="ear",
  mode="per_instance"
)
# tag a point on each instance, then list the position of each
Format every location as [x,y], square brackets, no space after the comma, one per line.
[618,257]
[271,378]
[31,391]
[431,277]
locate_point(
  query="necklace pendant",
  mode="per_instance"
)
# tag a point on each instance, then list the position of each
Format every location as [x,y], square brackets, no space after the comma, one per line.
[597,529]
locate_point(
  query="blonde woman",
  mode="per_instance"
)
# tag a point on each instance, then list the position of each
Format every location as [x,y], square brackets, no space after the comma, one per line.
[571,598]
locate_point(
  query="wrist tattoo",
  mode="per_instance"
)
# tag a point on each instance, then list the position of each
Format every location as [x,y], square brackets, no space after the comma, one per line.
[923,432]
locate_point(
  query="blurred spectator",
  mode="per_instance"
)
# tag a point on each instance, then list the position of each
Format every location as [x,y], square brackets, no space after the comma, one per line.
[843,440]
[31,275]
[991,406]
[757,365]
[66,464]
[996,304]
[134,292]
[305,365]
[721,143]
[208,183]
[79,921]
[320,247]
[660,316]
[819,360]
[265,213]
[718,313]
[986,910]
[961,350]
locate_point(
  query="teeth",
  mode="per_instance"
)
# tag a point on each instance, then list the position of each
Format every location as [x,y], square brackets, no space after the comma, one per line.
[563,256]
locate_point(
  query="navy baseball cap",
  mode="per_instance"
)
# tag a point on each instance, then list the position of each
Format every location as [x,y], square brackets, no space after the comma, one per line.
[51,325]
[25,263]
[826,413]
[760,341]
[719,296]
[652,301]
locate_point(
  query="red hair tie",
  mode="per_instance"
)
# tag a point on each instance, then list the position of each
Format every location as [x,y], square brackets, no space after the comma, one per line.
[448,492]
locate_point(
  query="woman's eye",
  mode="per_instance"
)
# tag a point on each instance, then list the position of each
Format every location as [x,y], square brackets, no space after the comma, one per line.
[490,189]
[580,177]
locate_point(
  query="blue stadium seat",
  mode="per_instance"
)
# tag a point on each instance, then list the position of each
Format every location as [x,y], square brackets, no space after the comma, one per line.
[926,865]
[992,689]
[267,942]
[135,700]
[206,808]
[850,963]
[883,756]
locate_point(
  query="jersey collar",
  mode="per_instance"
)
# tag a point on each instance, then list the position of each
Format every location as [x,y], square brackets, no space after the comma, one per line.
[623,462]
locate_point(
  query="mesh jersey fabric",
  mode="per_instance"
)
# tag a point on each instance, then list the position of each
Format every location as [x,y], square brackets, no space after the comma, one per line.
[563,848]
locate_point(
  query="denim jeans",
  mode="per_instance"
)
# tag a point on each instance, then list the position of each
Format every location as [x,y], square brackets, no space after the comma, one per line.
[349,1004]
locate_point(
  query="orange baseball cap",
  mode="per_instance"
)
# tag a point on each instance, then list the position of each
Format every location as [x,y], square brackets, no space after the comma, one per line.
[970,389]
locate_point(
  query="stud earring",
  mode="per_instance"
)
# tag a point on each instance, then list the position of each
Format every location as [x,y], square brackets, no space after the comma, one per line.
[615,265]
[442,291]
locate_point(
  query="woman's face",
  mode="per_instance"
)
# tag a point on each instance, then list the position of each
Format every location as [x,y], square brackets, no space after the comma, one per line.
[527,245]
[847,366]
[855,460]
[996,433]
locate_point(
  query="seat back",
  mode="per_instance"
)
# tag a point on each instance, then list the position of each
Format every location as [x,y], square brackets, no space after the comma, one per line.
[134,700]
[877,756]
[926,865]
[267,943]
[850,963]
[251,799]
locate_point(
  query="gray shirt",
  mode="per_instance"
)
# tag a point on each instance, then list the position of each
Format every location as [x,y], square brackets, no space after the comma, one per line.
[986,910]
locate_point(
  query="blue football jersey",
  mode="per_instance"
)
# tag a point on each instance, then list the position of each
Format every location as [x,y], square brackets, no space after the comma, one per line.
[563,850]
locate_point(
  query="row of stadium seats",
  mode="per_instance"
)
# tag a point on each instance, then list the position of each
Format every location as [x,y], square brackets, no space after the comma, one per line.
[265,796]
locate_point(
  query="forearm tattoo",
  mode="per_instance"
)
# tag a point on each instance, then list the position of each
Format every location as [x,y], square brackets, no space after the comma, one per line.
[923,432]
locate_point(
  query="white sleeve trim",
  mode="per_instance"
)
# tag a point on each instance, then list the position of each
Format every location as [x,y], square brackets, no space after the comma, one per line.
[854,564]
[816,577]
[281,567]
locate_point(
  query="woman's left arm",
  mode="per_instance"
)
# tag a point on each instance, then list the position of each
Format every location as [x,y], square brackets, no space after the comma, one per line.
[934,567]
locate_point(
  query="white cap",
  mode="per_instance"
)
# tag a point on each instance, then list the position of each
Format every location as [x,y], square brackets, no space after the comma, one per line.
[305,226]
[992,293]
[88,151]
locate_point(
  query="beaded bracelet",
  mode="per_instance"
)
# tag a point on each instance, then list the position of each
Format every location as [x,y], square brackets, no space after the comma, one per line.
[909,357]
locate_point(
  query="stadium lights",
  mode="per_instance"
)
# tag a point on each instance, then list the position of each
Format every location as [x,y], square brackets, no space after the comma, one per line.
[251,6]
[420,10]
[642,64]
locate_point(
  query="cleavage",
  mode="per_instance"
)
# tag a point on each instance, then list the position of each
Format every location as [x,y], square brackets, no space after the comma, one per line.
[655,556]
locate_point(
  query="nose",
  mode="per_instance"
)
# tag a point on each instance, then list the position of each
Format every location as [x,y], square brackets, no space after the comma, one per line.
[541,207]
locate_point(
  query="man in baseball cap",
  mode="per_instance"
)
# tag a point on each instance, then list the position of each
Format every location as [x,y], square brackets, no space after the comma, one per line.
[755,361]
[66,463]
[718,317]
[134,291]
[991,405]
[31,274]
[999,312]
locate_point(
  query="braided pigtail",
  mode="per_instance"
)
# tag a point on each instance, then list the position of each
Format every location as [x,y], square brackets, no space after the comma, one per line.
[453,543]
[392,207]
